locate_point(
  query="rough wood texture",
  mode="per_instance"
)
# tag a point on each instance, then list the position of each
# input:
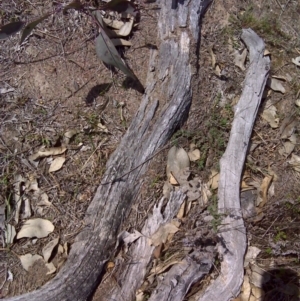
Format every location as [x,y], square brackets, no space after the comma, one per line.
[164,108]
[233,235]
[130,274]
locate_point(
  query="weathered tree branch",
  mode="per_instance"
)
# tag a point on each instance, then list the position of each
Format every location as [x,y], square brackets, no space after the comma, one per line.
[233,233]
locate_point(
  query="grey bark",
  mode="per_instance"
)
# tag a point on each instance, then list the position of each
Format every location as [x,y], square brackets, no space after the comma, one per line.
[233,233]
[164,108]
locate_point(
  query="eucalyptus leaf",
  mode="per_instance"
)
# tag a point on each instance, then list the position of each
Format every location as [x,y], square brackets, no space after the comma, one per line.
[29,27]
[108,53]
[10,29]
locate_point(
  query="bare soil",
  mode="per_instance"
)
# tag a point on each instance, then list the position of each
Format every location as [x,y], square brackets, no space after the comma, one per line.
[60,85]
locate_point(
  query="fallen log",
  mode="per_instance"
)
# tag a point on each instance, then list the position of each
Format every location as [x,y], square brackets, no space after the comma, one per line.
[164,108]
[232,234]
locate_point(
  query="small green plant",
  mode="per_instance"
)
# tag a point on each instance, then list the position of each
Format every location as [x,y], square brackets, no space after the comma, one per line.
[280,235]
[269,251]
[213,210]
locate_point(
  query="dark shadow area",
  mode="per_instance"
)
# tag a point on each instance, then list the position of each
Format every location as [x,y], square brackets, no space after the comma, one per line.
[96,91]
[133,84]
[280,284]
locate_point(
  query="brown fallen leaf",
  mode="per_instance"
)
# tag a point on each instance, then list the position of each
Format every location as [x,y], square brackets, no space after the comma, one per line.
[161,235]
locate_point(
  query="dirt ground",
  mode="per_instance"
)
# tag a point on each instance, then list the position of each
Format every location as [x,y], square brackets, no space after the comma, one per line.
[54,84]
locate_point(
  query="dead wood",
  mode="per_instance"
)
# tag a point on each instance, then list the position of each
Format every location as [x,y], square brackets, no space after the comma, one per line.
[233,233]
[163,109]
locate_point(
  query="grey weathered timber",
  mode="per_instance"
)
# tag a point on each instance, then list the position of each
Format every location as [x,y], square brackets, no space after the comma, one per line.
[131,272]
[233,234]
[164,107]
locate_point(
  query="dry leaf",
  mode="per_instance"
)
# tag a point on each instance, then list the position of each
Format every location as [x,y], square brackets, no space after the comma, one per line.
[44,200]
[246,289]
[239,59]
[258,276]
[57,164]
[213,58]
[28,260]
[102,127]
[68,135]
[258,293]
[37,227]
[113,23]
[194,155]
[167,189]
[26,209]
[161,235]
[51,268]
[251,255]
[126,29]
[267,52]
[177,162]
[173,180]
[297,102]
[288,146]
[48,249]
[213,182]
[18,191]
[181,211]
[276,85]
[263,191]
[53,151]
[296,61]
[269,114]
[218,70]
[295,162]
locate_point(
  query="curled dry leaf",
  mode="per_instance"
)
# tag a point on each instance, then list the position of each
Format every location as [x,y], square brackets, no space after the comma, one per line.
[194,155]
[37,227]
[213,58]
[102,127]
[48,249]
[276,85]
[28,260]
[288,146]
[295,162]
[18,192]
[296,61]
[297,102]
[57,164]
[68,135]
[126,29]
[240,58]
[53,151]
[263,191]
[26,209]
[161,235]
[267,52]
